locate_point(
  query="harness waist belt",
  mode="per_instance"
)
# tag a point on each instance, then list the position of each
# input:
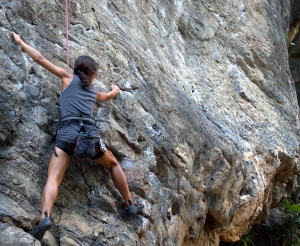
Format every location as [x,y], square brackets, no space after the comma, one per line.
[78,118]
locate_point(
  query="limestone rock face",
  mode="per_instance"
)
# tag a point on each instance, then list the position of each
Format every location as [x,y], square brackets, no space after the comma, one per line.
[206,126]
[11,235]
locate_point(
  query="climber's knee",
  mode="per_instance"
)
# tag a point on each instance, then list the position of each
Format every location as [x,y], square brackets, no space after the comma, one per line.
[112,164]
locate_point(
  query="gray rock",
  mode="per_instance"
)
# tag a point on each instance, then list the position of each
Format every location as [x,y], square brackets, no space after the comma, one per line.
[206,126]
[49,239]
[66,241]
[13,235]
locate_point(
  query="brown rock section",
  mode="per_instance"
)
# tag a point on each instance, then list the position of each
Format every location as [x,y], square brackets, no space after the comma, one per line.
[206,127]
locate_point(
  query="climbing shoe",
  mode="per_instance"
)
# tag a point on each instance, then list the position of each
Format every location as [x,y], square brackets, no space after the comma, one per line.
[133,209]
[42,227]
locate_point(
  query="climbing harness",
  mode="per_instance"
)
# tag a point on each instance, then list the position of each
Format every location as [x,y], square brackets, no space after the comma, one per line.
[86,143]
[67,35]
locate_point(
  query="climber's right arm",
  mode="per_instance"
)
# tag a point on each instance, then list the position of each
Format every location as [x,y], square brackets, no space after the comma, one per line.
[38,58]
[102,96]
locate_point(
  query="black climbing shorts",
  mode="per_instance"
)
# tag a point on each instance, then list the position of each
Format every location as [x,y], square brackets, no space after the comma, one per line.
[70,148]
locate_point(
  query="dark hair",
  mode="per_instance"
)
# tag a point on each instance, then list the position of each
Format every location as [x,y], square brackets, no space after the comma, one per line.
[85,67]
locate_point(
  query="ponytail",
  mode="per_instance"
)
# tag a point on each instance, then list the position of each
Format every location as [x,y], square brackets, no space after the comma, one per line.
[83,77]
[85,67]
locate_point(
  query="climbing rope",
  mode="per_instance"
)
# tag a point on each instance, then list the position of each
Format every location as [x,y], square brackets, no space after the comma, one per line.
[67,35]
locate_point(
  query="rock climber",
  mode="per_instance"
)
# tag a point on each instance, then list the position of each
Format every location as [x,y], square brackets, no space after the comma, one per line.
[76,105]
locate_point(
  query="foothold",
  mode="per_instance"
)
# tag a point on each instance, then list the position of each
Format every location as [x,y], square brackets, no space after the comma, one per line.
[217,58]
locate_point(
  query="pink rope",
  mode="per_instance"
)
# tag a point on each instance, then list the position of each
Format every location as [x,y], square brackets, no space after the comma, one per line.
[67,35]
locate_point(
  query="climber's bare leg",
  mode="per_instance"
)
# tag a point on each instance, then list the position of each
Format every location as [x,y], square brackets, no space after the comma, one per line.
[111,164]
[57,167]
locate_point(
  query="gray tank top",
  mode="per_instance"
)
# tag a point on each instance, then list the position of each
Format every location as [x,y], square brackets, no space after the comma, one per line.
[76,100]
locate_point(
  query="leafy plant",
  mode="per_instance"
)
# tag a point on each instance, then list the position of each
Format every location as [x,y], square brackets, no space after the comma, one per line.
[292,208]
[247,240]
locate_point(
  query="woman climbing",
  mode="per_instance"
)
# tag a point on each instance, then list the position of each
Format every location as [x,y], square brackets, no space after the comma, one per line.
[76,101]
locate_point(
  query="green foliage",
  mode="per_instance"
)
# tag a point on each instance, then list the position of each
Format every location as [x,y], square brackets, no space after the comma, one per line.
[293,210]
[247,240]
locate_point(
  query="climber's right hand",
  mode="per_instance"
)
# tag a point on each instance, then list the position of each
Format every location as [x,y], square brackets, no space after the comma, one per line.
[17,37]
